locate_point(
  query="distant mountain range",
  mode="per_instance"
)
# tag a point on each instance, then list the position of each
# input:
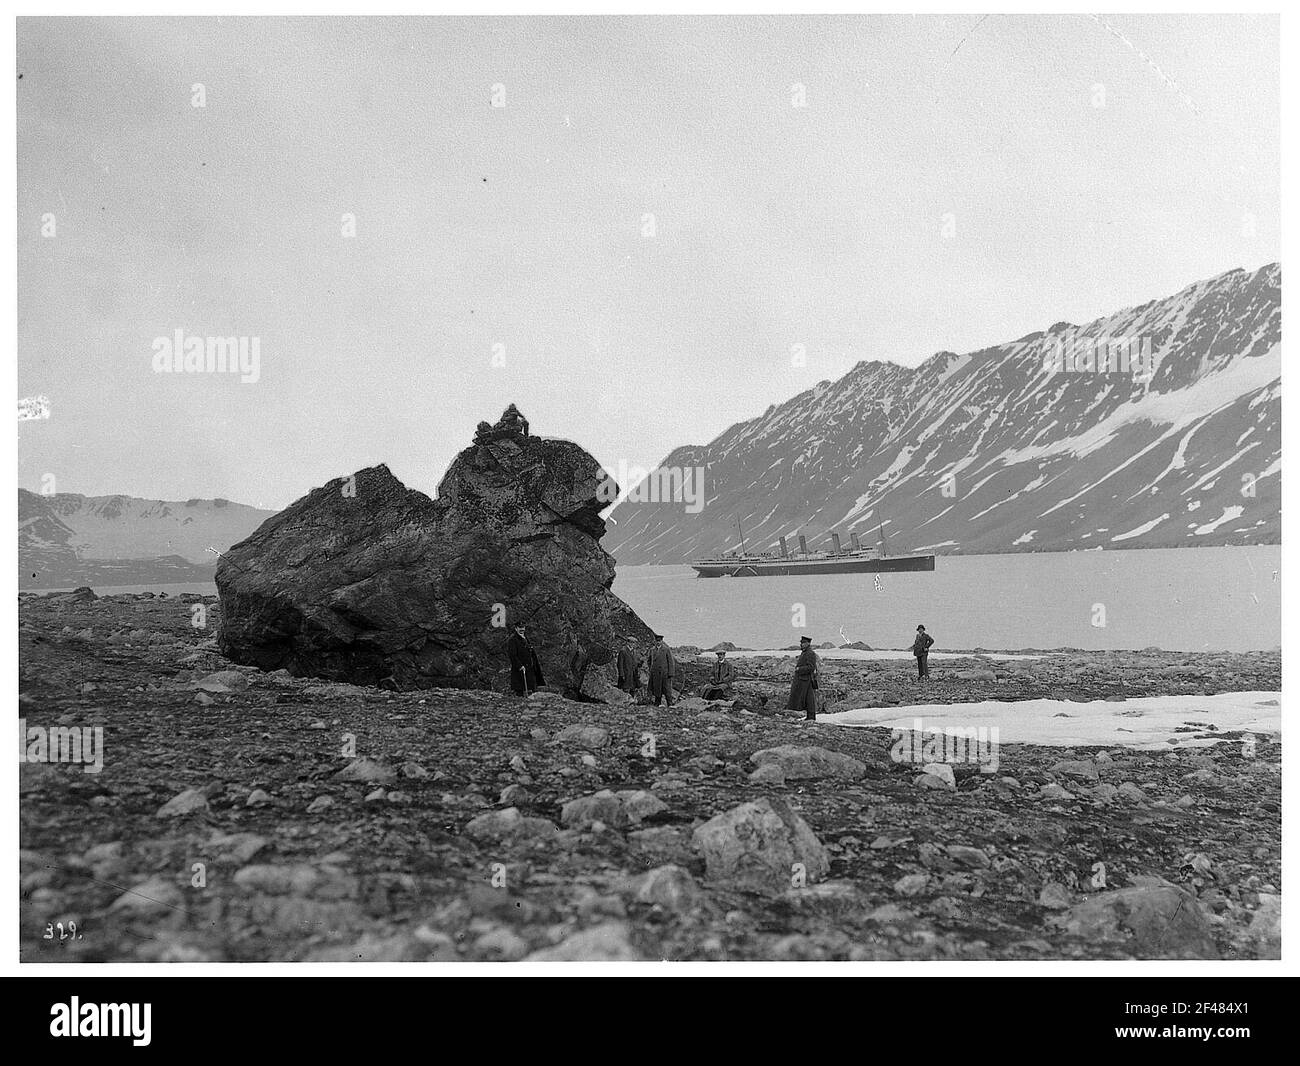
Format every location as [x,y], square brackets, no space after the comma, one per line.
[68,539]
[1024,446]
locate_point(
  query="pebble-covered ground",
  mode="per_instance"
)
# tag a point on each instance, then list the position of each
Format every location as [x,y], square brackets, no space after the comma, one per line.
[258,817]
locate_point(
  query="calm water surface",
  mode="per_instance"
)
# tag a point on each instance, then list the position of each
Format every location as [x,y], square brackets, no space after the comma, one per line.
[1179,599]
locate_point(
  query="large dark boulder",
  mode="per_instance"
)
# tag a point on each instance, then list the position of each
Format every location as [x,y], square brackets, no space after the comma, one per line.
[365,580]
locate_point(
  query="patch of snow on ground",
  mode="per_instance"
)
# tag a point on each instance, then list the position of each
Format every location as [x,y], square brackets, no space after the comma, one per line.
[1152,722]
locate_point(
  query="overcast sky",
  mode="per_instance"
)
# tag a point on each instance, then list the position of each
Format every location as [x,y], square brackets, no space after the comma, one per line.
[523,226]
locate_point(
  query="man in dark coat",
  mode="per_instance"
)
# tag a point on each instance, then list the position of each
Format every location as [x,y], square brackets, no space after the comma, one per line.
[803,690]
[525,670]
[663,667]
[579,660]
[921,649]
[629,667]
[721,678]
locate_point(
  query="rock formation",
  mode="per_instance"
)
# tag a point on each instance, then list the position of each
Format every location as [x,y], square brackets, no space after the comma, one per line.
[365,580]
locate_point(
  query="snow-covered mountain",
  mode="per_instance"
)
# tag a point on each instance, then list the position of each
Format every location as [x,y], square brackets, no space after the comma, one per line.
[1019,447]
[69,539]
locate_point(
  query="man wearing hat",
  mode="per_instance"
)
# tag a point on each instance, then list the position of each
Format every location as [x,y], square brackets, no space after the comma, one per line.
[921,649]
[629,667]
[721,679]
[803,690]
[525,670]
[662,669]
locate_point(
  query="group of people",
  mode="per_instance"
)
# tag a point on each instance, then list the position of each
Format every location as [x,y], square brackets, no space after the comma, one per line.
[661,673]
[526,675]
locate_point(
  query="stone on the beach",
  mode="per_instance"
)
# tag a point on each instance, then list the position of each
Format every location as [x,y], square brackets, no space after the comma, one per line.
[508,824]
[591,737]
[1130,792]
[911,884]
[512,796]
[291,879]
[223,681]
[603,806]
[974,858]
[640,804]
[1054,896]
[1076,768]
[157,896]
[757,844]
[937,775]
[798,763]
[366,770]
[365,580]
[669,887]
[769,773]
[1154,919]
[187,802]
[611,942]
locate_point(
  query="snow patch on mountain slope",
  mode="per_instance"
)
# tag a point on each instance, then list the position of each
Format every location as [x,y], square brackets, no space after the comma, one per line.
[1146,527]
[1178,408]
[1229,513]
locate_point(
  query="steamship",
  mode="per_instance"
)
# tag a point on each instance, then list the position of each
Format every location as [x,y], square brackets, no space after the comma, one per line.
[836,560]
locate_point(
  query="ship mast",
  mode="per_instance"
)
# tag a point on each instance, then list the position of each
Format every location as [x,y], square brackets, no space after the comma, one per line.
[881,534]
[742,536]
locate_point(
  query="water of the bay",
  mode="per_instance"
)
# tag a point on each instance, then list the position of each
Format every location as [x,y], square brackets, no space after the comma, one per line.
[1179,599]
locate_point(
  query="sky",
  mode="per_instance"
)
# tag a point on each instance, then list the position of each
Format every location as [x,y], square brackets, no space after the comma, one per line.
[665,225]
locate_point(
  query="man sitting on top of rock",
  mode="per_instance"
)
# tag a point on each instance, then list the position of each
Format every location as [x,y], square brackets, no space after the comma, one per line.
[721,678]
[514,421]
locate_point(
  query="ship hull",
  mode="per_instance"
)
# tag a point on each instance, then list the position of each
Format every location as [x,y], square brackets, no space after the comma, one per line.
[791,568]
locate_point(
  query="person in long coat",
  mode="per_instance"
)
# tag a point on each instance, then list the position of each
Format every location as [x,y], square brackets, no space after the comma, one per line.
[525,670]
[663,667]
[921,649]
[803,689]
[629,667]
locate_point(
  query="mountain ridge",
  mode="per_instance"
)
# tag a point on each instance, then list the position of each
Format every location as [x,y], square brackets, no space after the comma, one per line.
[886,443]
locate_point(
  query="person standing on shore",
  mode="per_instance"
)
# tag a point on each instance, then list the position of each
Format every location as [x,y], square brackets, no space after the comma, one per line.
[629,667]
[921,649]
[803,689]
[525,670]
[579,660]
[663,667]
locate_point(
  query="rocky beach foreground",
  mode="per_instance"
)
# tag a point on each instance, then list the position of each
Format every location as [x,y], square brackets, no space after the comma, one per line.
[250,816]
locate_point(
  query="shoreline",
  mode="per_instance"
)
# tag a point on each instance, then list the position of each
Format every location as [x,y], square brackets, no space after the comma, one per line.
[341,822]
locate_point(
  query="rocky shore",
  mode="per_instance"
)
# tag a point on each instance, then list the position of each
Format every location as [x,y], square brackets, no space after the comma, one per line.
[250,816]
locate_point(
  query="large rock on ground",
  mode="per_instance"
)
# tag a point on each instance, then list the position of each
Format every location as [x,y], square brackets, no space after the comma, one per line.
[1154,920]
[797,763]
[365,580]
[756,845]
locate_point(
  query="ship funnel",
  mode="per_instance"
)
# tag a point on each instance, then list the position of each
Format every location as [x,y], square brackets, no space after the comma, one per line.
[835,539]
[785,552]
[857,542]
[803,545]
